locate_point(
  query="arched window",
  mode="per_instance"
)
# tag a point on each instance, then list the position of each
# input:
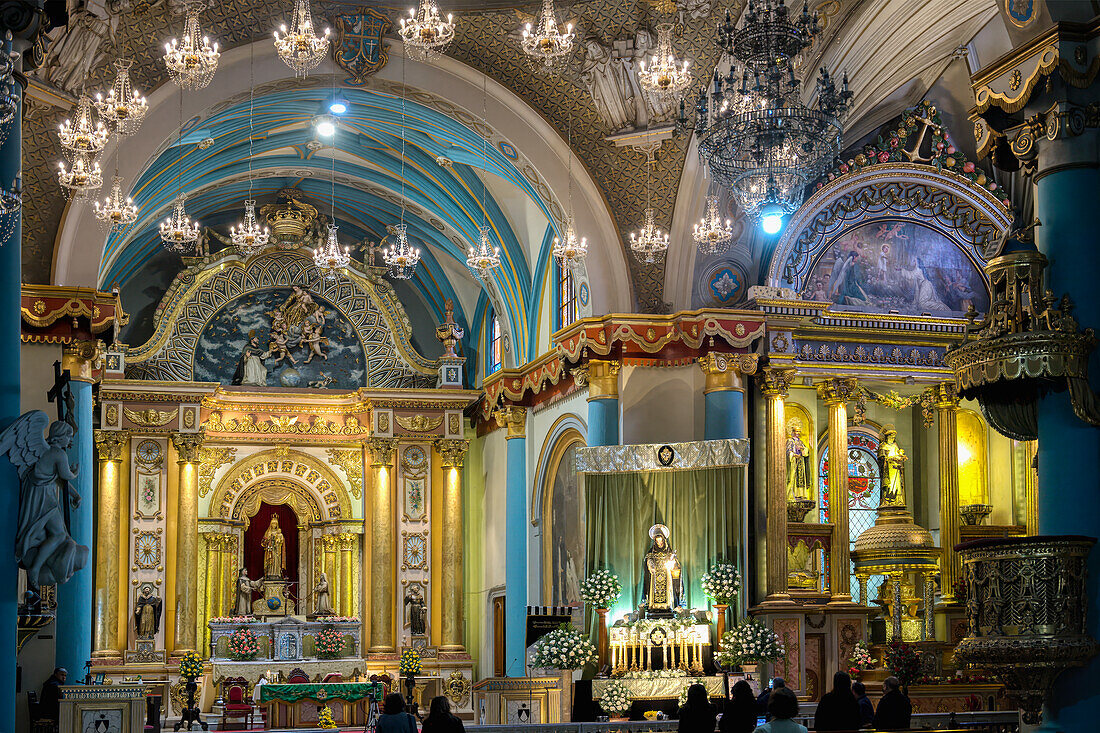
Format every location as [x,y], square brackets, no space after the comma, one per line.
[496,346]
[864,493]
[566,297]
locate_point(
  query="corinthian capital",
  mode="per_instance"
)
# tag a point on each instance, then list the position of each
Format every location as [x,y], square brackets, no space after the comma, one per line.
[381,451]
[452,451]
[836,390]
[109,444]
[187,446]
[775,382]
[514,418]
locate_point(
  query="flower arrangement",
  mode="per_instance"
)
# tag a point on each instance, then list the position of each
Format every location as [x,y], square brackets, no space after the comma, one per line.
[721,583]
[235,620]
[325,719]
[410,663]
[563,648]
[655,674]
[328,643]
[903,661]
[191,666]
[243,644]
[339,619]
[960,590]
[616,698]
[750,643]
[601,589]
[861,657]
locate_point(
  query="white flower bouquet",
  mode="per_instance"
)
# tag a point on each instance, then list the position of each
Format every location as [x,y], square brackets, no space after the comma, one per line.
[601,589]
[616,698]
[566,647]
[750,643]
[721,583]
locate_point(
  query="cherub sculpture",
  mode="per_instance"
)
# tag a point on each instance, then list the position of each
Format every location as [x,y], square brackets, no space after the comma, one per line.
[43,545]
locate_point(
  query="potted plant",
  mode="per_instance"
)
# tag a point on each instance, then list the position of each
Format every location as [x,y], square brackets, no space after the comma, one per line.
[599,590]
[860,660]
[566,649]
[616,700]
[721,585]
[410,667]
[190,670]
[748,644]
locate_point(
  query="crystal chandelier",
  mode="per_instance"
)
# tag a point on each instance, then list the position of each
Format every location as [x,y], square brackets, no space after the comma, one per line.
[87,136]
[83,177]
[9,102]
[300,47]
[401,257]
[570,248]
[664,75]
[711,234]
[178,233]
[755,134]
[546,43]
[649,242]
[116,213]
[192,60]
[123,107]
[330,258]
[249,237]
[425,33]
[484,258]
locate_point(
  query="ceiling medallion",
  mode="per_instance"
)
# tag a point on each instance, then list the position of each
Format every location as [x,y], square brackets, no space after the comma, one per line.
[178,233]
[123,107]
[249,237]
[300,47]
[401,257]
[665,75]
[330,258]
[711,234]
[425,33]
[546,44]
[86,136]
[192,60]
[484,258]
[570,248]
[116,213]
[755,134]
[649,243]
[83,177]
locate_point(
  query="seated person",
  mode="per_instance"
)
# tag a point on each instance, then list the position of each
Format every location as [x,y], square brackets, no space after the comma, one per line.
[50,704]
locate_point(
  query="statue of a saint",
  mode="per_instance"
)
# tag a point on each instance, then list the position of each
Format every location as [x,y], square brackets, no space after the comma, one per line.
[418,612]
[147,610]
[250,367]
[242,605]
[891,459]
[662,587]
[322,606]
[274,545]
[798,456]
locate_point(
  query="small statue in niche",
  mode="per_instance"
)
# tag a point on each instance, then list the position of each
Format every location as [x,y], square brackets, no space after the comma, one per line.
[147,611]
[892,460]
[242,605]
[274,545]
[322,606]
[250,367]
[417,611]
[43,544]
[798,479]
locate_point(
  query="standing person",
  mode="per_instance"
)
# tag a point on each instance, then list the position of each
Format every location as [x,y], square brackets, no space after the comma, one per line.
[394,719]
[782,707]
[838,709]
[50,702]
[866,707]
[894,709]
[440,719]
[697,715]
[765,695]
[740,713]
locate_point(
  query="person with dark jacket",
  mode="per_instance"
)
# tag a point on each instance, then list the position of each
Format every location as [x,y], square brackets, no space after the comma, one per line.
[740,713]
[49,705]
[894,709]
[440,719]
[765,694]
[838,709]
[866,707]
[394,719]
[697,715]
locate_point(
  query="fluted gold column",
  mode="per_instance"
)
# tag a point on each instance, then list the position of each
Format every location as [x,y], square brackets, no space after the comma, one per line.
[775,384]
[453,454]
[347,577]
[835,393]
[947,412]
[187,541]
[382,546]
[112,447]
[329,566]
[212,543]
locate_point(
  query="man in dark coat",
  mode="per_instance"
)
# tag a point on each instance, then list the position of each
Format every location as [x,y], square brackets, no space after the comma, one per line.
[50,702]
[838,709]
[894,709]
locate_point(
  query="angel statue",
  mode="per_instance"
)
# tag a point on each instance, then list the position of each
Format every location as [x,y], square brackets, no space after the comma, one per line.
[43,545]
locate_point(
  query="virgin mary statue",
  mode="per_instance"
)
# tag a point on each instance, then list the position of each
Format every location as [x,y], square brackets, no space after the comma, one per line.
[274,550]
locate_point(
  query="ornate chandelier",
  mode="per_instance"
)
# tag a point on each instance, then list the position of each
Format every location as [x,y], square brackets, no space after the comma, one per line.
[249,237]
[9,103]
[425,33]
[484,258]
[330,258]
[123,107]
[546,43]
[711,234]
[401,257]
[300,47]
[116,213]
[82,178]
[192,60]
[86,136]
[755,134]
[570,248]
[178,233]
[664,75]
[649,242]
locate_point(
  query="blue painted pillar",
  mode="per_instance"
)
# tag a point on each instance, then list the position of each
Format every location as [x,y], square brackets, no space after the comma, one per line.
[723,398]
[515,542]
[603,403]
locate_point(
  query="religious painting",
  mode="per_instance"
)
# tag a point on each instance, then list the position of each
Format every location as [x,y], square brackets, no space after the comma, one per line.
[282,337]
[566,532]
[414,499]
[971,441]
[148,494]
[897,266]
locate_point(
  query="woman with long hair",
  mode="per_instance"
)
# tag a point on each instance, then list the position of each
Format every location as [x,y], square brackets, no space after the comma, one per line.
[394,719]
[697,715]
[740,713]
[440,719]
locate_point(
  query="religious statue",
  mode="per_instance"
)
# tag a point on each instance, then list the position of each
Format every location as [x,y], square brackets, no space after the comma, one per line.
[662,587]
[147,610]
[81,44]
[798,457]
[250,367]
[418,611]
[43,545]
[606,79]
[274,550]
[322,606]
[245,587]
[892,460]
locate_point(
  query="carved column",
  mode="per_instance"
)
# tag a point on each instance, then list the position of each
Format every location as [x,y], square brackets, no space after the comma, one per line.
[724,393]
[382,546]
[835,393]
[112,447]
[187,541]
[347,575]
[947,411]
[453,454]
[775,384]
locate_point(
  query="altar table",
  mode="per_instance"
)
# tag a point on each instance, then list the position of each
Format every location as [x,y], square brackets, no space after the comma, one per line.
[297,706]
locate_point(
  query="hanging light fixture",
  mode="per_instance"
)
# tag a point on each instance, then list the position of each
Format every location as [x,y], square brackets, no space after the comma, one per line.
[192,59]
[116,213]
[755,134]
[9,102]
[401,257]
[546,43]
[249,237]
[711,234]
[123,106]
[82,178]
[570,248]
[649,243]
[425,33]
[178,233]
[87,136]
[330,258]
[300,46]
[483,258]
[664,75]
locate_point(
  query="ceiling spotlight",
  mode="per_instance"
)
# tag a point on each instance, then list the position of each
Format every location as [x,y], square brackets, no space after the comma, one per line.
[325,125]
[771,218]
[338,105]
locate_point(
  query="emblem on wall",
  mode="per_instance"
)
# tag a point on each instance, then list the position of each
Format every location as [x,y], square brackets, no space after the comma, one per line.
[359,49]
[1021,12]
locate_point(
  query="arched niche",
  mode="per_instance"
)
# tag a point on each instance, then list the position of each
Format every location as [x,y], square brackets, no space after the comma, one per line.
[558,505]
[281,476]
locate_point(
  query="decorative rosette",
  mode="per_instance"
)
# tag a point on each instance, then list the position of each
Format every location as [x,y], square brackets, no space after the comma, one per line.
[328,643]
[243,644]
[616,698]
[601,589]
[410,663]
[722,583]
[750,643]
[563,648]
[191,666]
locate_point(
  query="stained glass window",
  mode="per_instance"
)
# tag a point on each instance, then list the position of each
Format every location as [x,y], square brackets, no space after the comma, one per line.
[495,357]
[864,494]
[567,298]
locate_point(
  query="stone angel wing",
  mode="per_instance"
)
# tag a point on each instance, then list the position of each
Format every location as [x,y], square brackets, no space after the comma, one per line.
[24,440]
